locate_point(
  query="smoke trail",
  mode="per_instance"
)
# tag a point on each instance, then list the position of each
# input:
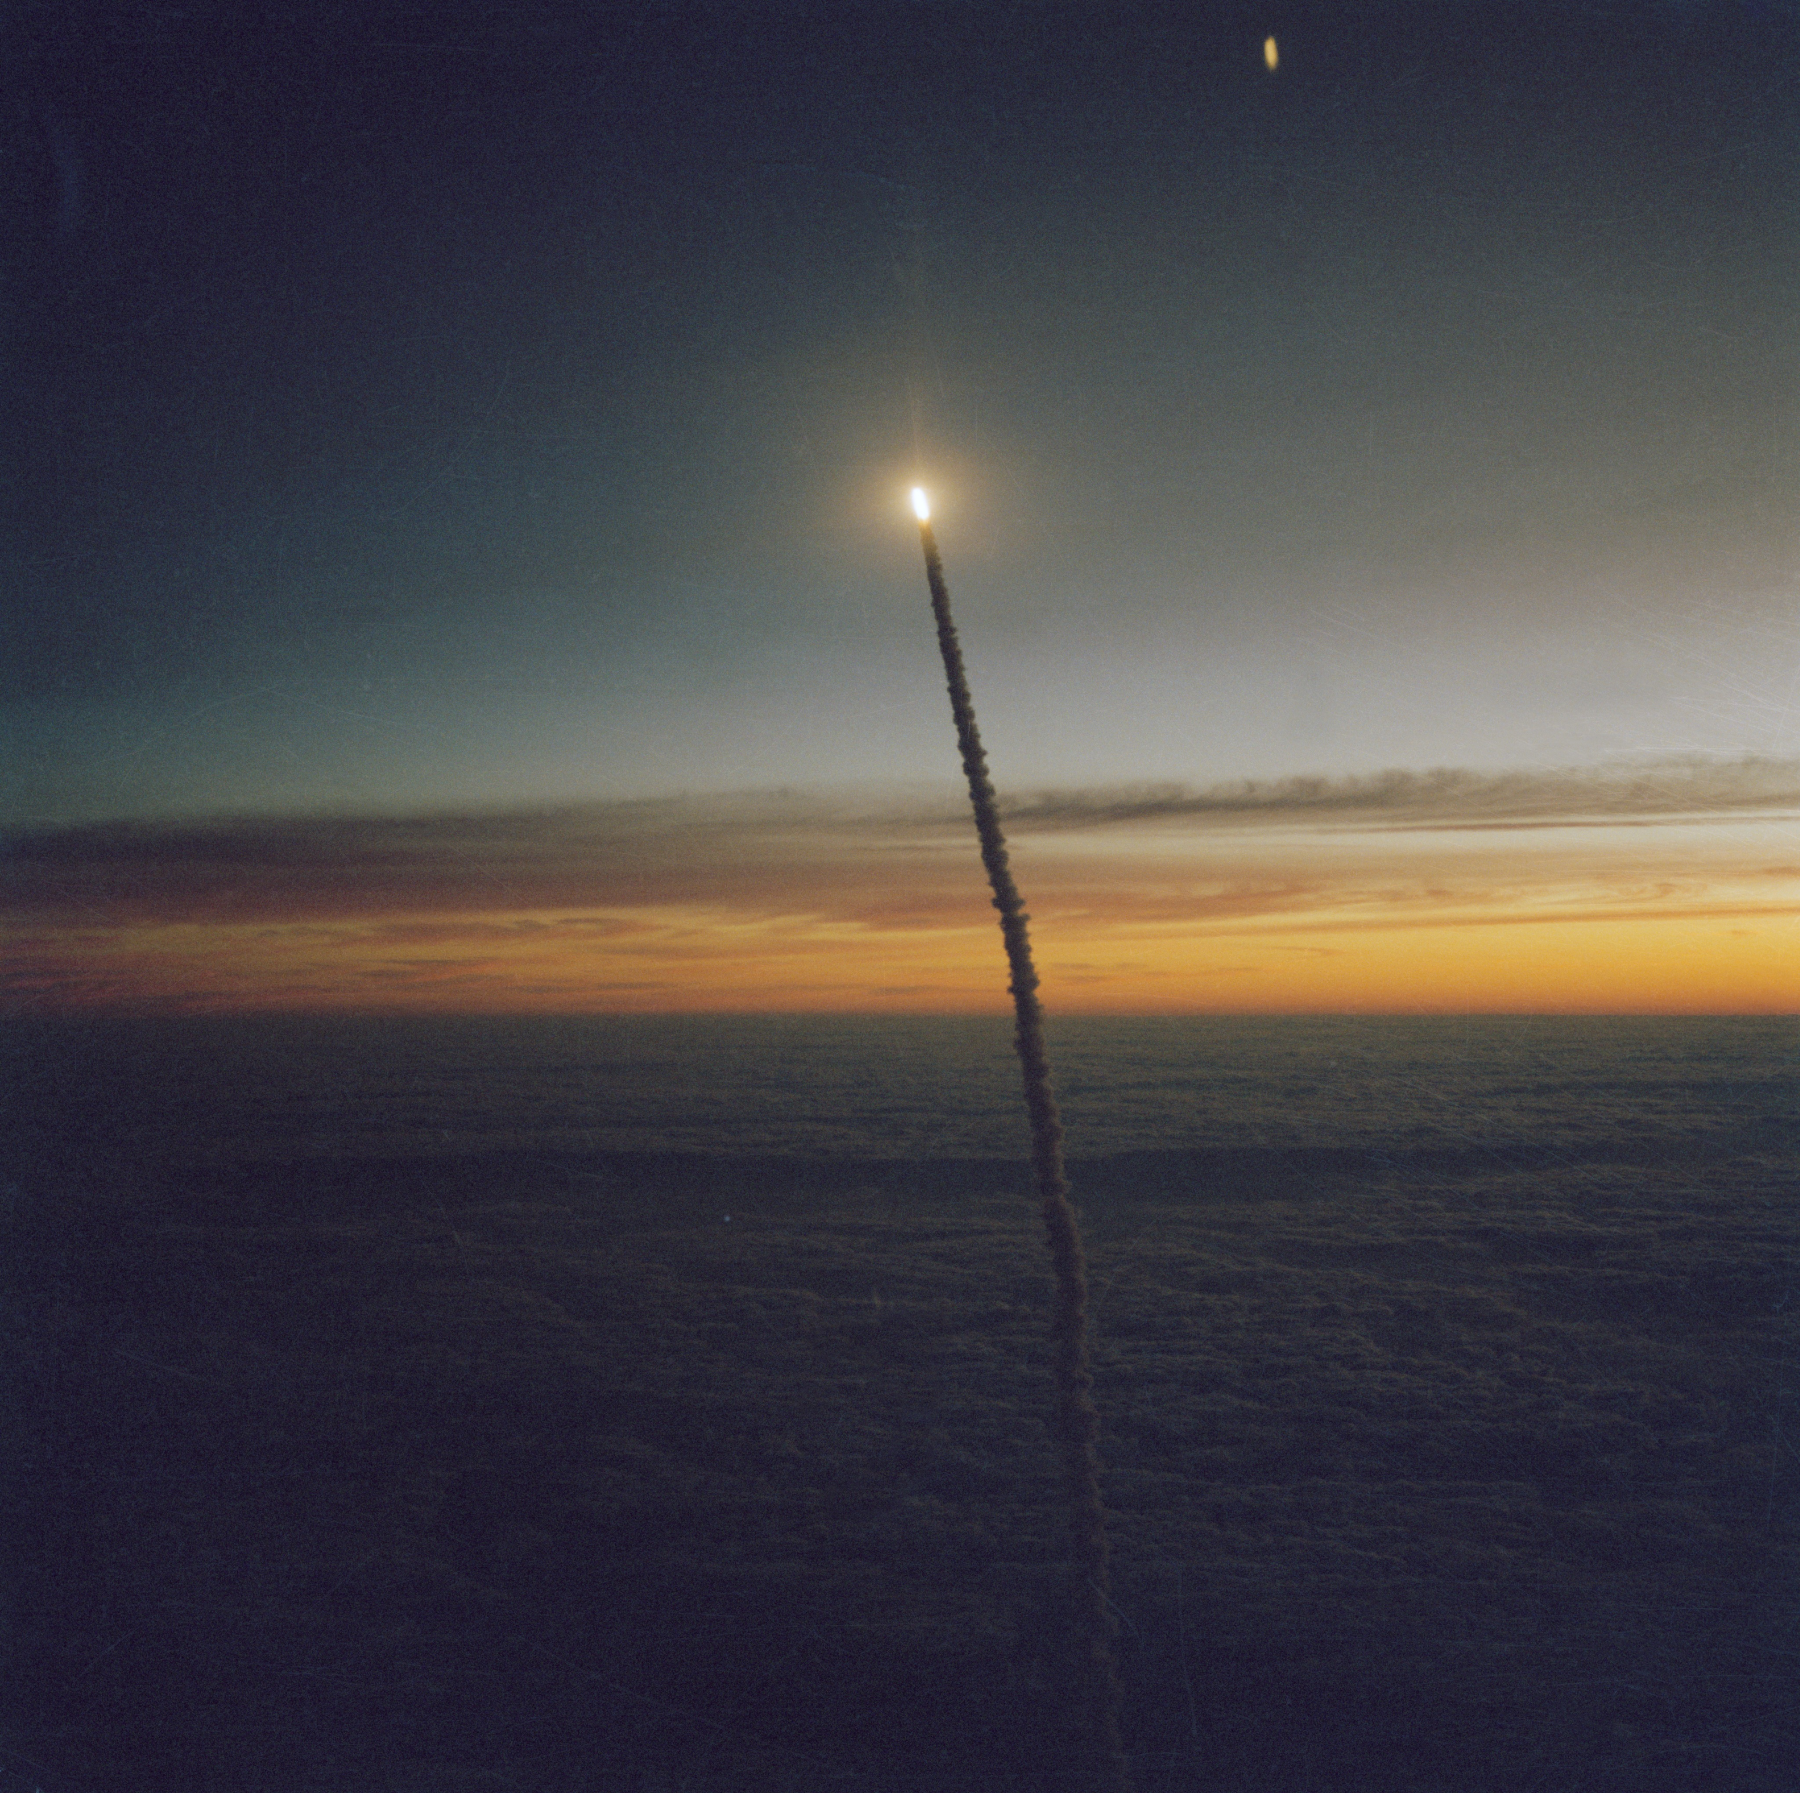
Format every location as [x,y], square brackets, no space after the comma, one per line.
[1076,1420]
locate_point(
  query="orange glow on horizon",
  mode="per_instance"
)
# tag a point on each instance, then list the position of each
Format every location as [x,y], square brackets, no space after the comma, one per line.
[698,961]
[799,906]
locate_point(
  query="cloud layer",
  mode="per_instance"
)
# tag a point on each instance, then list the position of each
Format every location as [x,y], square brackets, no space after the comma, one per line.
[1672,885]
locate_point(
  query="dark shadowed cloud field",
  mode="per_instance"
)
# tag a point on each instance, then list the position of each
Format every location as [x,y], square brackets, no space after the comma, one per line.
[664,1401]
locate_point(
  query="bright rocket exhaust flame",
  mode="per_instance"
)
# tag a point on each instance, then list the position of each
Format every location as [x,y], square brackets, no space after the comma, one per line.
[1271,55]
[921,504]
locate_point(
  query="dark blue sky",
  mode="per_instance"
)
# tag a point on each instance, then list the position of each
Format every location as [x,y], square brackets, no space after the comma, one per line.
[426,407]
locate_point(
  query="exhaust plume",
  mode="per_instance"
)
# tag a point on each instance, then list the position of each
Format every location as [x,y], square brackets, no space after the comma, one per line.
[1076,1419]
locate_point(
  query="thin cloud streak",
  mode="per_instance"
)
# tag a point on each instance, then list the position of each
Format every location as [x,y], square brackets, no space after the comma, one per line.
[1443,798]
[758,847]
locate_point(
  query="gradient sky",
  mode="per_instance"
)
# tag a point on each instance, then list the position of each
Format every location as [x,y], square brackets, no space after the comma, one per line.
[487,414]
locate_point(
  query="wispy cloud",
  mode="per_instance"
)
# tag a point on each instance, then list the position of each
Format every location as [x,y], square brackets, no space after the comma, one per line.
[1329,893]
[1443,798]
[759,848]
[743,849]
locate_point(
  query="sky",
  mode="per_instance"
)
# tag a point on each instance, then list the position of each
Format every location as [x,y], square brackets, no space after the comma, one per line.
[495,424]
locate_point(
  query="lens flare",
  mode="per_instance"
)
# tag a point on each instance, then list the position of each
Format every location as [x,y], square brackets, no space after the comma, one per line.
[921,504]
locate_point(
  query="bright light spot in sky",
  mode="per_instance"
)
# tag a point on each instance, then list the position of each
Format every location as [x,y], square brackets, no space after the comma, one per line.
[921,504]
[1271,55]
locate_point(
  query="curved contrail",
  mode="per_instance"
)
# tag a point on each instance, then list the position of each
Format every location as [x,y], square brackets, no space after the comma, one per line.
[1076,1420]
